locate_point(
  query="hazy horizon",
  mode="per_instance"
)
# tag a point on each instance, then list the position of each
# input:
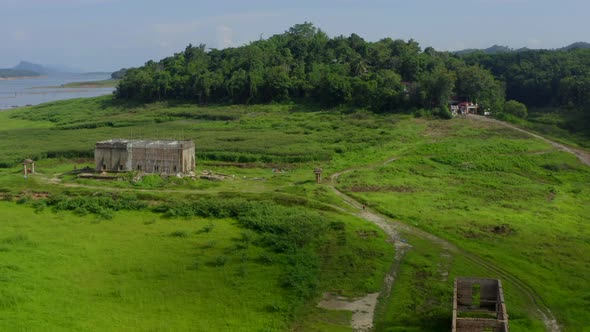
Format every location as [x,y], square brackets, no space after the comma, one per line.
[105,35]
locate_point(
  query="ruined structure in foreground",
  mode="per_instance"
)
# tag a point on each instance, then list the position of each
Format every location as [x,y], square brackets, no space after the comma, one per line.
[478,305]
[163,157]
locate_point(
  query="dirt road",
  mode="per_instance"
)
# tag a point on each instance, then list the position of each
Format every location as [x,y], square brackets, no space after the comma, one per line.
[582,155]
[365,311]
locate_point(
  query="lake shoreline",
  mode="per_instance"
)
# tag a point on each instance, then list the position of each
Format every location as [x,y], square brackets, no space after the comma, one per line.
[108,83]
[19,78]
[20,92]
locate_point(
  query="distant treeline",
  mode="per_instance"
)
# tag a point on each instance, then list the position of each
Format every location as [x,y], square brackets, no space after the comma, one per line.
[119,74]
[541,78]
[303,62]
[384,76]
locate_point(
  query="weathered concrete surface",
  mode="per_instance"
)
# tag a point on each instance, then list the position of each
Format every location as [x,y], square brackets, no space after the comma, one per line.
[166,157]
[483,296]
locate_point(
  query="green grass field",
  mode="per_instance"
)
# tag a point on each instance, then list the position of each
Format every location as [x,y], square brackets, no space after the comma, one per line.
[491,191]
[142,271]
[500,195]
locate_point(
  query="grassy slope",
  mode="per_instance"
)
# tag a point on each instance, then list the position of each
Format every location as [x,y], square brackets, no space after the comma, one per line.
[550,123]
[454,178]
[494,192]
[62,272]
[139,271]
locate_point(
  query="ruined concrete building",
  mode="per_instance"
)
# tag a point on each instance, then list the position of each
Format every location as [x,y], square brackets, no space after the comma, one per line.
[478,305]
[163,157]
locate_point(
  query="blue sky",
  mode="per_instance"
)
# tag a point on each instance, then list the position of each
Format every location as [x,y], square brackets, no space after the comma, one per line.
[109,34]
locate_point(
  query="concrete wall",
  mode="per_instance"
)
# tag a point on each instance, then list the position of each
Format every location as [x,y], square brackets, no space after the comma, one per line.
[156,157]
[491,302]
[112,158]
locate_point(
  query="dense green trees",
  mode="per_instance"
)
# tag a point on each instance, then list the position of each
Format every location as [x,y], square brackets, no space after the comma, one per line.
[556,82]
[385,76]
[541,78]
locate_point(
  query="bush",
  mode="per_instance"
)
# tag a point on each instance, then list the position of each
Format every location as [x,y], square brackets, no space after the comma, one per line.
[443,112]
[516,108]
[103,205]
[421,113]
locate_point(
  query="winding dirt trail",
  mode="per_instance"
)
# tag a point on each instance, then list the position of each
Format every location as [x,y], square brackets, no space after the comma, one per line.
[394,229]
[582,155]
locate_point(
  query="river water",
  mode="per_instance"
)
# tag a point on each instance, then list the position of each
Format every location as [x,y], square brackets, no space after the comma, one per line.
[33,91]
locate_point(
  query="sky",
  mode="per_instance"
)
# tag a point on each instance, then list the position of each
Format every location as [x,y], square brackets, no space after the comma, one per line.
[105,35]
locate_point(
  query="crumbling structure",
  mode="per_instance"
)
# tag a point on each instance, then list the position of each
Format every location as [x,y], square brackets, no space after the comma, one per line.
[163,157]
[318,175]
[478,305]
[28,166]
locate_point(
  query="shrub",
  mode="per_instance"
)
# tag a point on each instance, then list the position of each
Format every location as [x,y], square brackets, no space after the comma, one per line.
[443,112]
[179,234]
[420,113]
[218,261]
[516,108]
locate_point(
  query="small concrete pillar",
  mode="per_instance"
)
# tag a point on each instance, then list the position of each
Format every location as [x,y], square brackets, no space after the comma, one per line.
[26,168]
[318,175]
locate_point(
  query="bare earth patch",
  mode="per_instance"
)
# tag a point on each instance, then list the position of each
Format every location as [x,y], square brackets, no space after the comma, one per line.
[362,308]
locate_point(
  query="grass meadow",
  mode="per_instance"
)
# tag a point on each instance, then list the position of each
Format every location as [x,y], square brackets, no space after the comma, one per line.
[74,259]
[143,271]
[496,193]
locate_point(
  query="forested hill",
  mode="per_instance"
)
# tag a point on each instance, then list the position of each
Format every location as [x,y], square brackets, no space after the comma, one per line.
[541,78]
[303,62]
[384,76]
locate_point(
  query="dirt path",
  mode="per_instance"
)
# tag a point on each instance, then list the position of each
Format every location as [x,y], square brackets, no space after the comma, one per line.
[394,229]
[582,155]
[363,309]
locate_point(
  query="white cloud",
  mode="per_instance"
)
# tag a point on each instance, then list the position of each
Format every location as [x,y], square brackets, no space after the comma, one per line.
[224,36]
[534,43]
[217,31]
[20,35]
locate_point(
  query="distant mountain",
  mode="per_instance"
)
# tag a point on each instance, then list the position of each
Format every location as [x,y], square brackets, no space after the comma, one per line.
[496,49]
[490,50]
[45,69]
[25,65]
[574,46]
[15,73]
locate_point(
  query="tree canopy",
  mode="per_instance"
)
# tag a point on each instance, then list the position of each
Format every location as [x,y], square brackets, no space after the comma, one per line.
[305,63]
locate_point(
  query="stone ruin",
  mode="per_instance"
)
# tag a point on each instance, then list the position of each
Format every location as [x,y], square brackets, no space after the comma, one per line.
[478,306]
[160,157]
